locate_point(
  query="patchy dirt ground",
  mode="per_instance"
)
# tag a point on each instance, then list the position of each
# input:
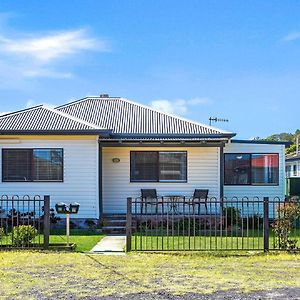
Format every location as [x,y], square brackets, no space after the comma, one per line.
[40,275]
[280,294]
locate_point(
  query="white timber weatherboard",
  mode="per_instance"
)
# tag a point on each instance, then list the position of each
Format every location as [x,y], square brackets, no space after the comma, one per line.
[80,172]
[202,172]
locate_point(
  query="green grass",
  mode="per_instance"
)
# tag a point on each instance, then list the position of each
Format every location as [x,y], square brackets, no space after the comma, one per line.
[253,242]
[38,275]
[85,240]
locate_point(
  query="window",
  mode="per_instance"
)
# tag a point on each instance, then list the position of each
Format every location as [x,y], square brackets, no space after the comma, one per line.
[237,169]
[294,170]
[265,169]
[251,169]
[172,166]
[32,165]
[144,166]
[163,166]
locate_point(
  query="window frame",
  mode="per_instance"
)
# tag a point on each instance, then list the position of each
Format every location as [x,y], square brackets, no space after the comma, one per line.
[158,167]
[250,179]
[32,165]
[250,172]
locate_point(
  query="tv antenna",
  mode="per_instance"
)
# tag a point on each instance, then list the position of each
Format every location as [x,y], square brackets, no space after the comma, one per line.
[215,119]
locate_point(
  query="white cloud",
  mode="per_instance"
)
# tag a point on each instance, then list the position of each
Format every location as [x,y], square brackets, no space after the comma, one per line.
[51,46]
[291,37]
[178,106]
[31,103]
[32,55]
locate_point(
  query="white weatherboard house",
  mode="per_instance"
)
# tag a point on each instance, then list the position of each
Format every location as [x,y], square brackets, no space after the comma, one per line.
[100,150]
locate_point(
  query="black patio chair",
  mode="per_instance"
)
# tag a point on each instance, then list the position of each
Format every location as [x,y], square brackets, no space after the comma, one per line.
[200,197]
[149,197]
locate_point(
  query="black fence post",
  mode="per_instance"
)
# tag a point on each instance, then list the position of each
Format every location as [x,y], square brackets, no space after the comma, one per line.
[46,221]
[266,224]
[128,224]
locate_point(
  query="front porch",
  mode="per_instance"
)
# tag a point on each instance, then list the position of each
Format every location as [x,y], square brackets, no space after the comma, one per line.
[203,167]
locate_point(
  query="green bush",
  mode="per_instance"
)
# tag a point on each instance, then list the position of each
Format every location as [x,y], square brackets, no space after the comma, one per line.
[23,235]
[232,216]
[288,214]
[2,233]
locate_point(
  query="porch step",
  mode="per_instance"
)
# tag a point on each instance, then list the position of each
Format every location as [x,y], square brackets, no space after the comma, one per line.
[114,229]
[114,223]
[114,216]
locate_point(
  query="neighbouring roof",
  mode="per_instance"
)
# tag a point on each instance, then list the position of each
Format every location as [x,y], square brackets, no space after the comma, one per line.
[110,118]
[292,156]
[40,119]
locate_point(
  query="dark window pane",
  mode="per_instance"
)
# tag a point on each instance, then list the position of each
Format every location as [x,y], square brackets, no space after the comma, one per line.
[237,169]
[144,166]
[48,164]
[16,164]
[265,169]
[172,166]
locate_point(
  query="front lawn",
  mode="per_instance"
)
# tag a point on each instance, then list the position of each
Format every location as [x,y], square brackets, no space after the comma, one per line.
[85,240]
[252,240]
[39,275]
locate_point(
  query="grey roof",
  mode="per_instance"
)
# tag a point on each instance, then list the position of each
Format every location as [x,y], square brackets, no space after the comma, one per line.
[292,156]
[43,119]
[126,117]
[110,118]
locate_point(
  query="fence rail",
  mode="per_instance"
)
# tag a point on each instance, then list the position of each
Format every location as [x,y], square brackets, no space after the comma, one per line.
[24,222]
[179,223]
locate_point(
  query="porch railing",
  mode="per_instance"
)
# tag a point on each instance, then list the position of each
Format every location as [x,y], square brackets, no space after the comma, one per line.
[181,224]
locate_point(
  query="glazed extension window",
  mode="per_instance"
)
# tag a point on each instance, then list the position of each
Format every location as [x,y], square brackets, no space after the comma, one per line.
[251,169]
[20,165]
[162,166]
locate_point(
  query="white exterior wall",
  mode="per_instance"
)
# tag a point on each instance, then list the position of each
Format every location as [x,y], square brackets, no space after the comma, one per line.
[80,172]
[251,191]
[202,172]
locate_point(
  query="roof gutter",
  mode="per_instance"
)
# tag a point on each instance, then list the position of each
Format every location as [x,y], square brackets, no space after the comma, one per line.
[100,132]
[262,142]
[170,135]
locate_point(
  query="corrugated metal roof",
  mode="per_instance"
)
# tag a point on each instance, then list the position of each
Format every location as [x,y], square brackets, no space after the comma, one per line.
[126,117]
[42,118]
[292,156]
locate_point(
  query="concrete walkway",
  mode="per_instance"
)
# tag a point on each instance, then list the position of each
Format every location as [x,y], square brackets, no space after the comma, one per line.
[111,245]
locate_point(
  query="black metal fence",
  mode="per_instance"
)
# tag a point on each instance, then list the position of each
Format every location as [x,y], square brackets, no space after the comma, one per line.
[180,224]
[24,222]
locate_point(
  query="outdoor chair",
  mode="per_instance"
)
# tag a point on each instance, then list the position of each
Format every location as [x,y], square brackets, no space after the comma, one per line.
[149,197]
[200,197]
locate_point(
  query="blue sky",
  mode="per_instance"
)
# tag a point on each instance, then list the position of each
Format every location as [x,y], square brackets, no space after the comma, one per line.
[231,59]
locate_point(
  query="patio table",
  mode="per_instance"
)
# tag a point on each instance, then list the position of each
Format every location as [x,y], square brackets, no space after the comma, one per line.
[173,205]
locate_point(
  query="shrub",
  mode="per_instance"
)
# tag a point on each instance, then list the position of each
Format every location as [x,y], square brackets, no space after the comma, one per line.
[90,223]
[23,235]
[232,216]
[2,233]
[288,214]
[253,221]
